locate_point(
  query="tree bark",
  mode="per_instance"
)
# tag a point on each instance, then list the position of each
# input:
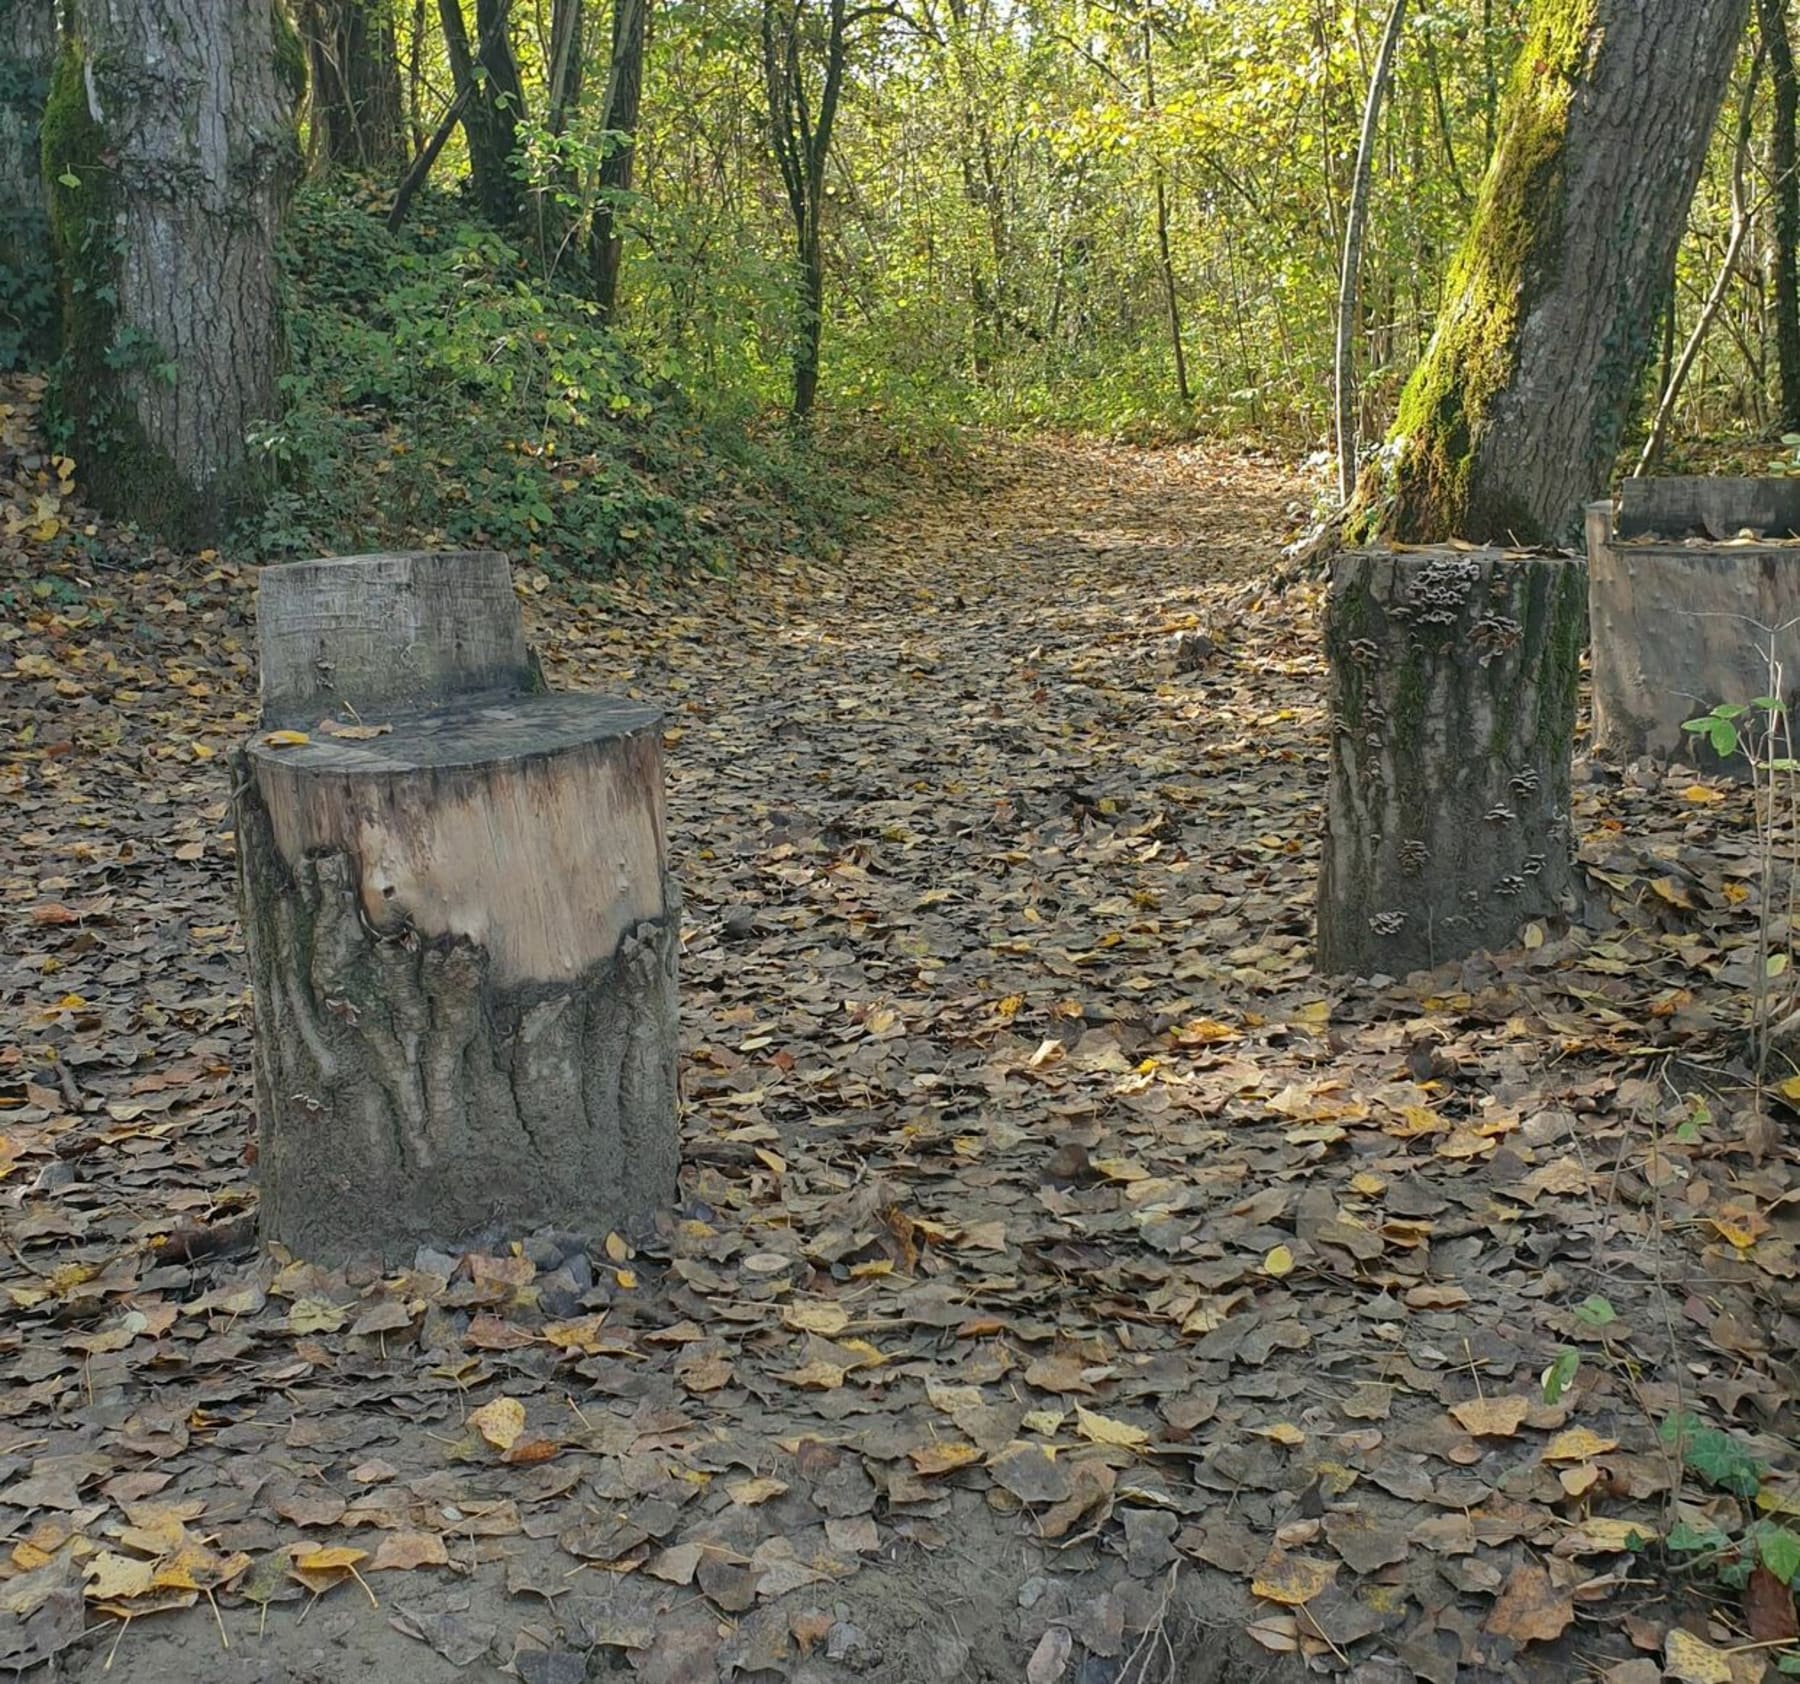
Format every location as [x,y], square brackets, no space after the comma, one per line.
[1452,692]
[1741,217]
[1784,175]
[624,92]
[170,152]
[1350,277]
[27,282]
[353,52]
[1513,420]
[492,103]
[461,928]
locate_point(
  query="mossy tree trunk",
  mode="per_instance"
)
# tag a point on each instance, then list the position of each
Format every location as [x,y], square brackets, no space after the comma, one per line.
[1784,176]
[1453,680]
[169,151]
[27,286]
[1512,421]
[352,52]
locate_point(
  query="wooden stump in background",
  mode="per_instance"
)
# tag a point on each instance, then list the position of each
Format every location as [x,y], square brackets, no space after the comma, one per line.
[1686,614]
[1452,689]
[461,927]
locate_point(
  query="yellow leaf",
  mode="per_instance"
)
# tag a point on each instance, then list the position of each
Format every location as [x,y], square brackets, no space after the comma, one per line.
[1700,795]
[747,1493]
[500,1422]
[111,1577]
[626,1278]
[943,1458]
[286,739]
[1492,1417]
[1292,1579]
[1578,1444]
[1282,1432]
[1103,1429]
[617,1249]
[332,1559]
[1606,1535]
[1370,1186]
[819,1316]
[1691,1661]
[1279,1262]
[1672,891]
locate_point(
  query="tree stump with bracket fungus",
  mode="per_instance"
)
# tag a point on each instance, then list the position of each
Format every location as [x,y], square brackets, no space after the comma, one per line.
[460,921]
[1452,699]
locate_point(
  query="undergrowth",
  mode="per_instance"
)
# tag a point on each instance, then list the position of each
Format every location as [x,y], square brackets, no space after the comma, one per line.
[440,392]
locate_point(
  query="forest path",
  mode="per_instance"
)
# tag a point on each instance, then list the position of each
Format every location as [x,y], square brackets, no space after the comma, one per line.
[1057,1257]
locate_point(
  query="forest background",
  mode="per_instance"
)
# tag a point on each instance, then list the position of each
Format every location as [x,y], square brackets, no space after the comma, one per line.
[661,226]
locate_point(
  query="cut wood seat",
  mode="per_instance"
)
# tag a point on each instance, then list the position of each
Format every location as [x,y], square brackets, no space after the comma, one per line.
[461,926]
[1693,599]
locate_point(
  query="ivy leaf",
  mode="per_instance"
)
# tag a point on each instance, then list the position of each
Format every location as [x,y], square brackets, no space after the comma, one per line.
[1596,1312]
[1780,1552]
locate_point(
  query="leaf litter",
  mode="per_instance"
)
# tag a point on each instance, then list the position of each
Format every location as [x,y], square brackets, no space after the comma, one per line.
[1061,1269]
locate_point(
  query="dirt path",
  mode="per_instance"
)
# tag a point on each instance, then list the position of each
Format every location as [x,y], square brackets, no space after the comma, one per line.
[1058,1258]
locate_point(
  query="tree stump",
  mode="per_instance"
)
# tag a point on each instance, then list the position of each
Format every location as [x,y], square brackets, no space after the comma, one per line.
[461,927]
[1453,681]
[1686,614]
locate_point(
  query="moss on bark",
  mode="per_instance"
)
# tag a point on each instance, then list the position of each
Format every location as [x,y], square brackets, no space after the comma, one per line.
[118,463]
[1422,487]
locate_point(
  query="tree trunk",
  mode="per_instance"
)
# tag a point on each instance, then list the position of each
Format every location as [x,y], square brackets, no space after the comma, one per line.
[624,91]
[170,151]
[1165,261]
[492,104]
[802,145]
[1734,245]
[1453,681]
[461,929]
[1513,420]
[1784,174]
[358,114]
[1350,277]
[27,282]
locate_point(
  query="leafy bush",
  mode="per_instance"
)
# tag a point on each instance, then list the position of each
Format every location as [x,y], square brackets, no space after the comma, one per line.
[442,392]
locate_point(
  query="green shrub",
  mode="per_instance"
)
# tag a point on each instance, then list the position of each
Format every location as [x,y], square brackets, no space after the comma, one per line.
[441,392]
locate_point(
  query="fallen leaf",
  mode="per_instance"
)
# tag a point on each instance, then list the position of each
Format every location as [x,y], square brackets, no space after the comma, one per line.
[1530,1608]
[499,1422]
[1492,1417]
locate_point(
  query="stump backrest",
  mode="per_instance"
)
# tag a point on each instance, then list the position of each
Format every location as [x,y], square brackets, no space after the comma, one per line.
[1708,506]
[372,634]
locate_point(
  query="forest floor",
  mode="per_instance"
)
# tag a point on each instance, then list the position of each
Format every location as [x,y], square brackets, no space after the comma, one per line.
[1069,1284]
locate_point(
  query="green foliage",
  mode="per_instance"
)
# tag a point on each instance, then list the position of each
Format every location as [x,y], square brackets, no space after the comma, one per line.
[442,392]
[1713,1455]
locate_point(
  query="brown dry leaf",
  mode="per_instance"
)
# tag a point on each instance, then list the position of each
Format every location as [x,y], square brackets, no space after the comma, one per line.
[1530,1608]
[1492,1417]
[403,1551]
[499,1422]
[1293,1580]
[749,1492]
[1769,1608]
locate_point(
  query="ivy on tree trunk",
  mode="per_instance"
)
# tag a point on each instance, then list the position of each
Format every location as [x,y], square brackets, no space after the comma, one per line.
[1513,419]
